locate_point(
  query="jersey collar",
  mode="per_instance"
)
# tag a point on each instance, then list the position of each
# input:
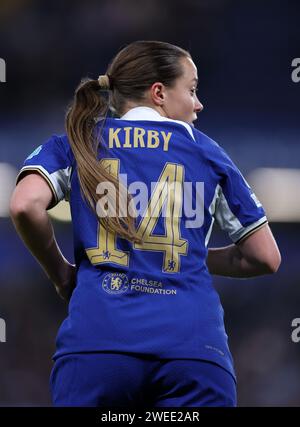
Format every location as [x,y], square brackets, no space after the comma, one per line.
[142,113]
[148,113]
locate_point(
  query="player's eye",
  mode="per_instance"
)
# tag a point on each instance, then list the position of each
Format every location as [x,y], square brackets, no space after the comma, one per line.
[194,90]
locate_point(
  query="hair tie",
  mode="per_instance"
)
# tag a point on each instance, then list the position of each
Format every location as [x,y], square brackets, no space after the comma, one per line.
[104,82]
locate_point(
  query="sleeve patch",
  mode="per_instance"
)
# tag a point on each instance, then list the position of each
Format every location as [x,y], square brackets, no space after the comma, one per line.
[34,153]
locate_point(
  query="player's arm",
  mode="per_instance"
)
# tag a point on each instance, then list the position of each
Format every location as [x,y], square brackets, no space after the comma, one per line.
[255,255]
[28,209]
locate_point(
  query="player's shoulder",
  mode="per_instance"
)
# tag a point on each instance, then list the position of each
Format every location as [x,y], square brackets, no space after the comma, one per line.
[215,154]
[204,139]
[61,140]
[207,145]
[62,143]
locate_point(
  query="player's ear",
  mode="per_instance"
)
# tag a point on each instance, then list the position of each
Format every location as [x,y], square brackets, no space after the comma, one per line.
[158,93]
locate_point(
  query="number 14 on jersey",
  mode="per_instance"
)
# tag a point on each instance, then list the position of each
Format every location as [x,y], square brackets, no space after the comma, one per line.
[168,191]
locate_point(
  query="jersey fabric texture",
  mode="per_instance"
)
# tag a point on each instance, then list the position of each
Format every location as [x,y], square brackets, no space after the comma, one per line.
[156,300]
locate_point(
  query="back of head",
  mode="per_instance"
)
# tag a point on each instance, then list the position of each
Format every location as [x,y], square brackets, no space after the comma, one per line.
[140,64]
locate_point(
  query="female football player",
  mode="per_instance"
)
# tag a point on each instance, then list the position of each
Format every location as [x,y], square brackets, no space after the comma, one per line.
[145,324]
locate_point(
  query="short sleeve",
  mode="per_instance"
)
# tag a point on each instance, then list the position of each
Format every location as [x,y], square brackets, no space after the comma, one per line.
[53,162]
[237,211]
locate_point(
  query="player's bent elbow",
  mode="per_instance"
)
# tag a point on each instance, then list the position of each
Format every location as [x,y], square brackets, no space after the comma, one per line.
[31,195]
[260,249]
[19,206]
[276,262]
[16,209]
[272,263]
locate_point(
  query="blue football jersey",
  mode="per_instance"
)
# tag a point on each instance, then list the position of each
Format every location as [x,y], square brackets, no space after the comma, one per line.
[155,298]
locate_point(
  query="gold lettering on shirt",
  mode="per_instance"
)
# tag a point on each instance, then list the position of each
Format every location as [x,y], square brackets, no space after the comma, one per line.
[152,135]
[138,137]
[134,137]
[127,137]
[113,137]
[166,138]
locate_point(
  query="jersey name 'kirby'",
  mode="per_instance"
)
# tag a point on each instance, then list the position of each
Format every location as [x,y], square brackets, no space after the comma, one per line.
[134,137]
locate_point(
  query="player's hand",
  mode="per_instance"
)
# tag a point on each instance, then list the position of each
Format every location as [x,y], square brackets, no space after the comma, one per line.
[67,281]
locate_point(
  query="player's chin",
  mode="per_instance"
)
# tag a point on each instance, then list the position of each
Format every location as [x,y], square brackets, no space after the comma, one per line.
[193,119]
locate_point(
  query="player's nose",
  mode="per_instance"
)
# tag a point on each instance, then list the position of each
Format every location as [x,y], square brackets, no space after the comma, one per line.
[198,106]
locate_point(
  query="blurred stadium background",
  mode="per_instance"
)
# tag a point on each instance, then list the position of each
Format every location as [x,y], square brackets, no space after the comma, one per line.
[243,50]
